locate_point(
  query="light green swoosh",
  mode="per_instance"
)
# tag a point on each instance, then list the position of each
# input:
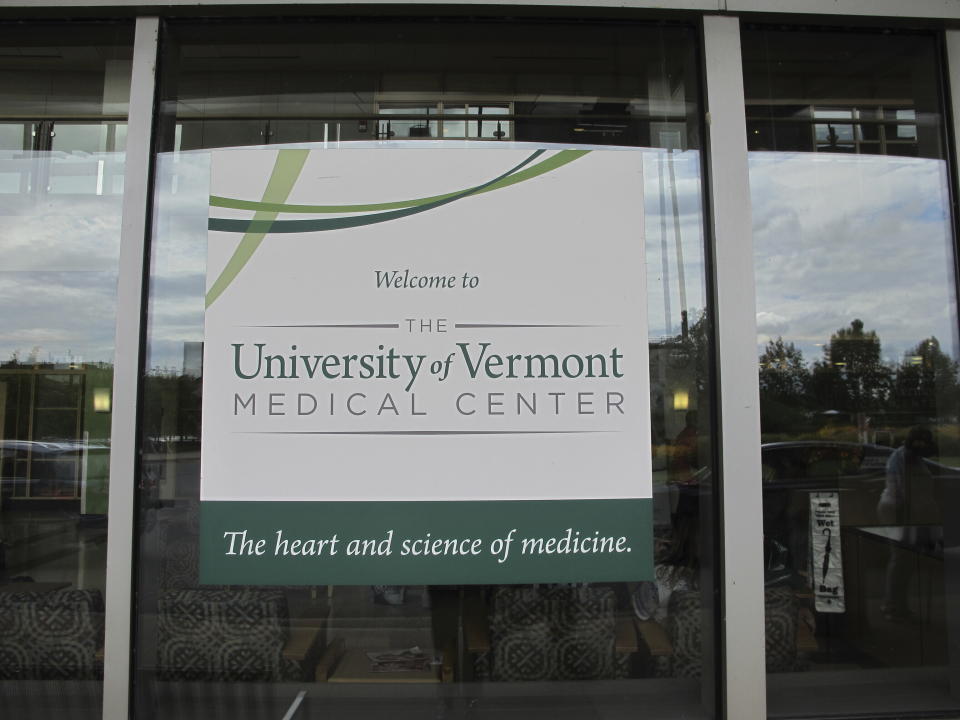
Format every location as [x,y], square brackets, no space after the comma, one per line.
[559,159]
[350,221]
[286,170]
[285,173]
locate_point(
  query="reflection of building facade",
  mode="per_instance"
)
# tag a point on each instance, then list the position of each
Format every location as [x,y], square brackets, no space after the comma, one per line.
[56,430]
[799,221]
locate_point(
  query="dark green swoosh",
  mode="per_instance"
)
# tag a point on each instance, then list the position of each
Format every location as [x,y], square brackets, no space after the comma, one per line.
[299,226]
[287,170]
[561,158]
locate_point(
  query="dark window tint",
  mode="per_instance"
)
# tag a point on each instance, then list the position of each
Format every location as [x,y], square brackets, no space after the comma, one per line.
[64,91]
[857,360]
[504,649]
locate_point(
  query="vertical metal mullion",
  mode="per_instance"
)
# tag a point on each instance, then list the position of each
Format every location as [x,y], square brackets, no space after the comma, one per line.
[951,58]
[126,373]
[739,406]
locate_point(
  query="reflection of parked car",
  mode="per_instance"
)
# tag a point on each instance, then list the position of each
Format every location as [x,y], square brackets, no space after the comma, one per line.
[828,466]
[857,472]
[792,470]
[42,469]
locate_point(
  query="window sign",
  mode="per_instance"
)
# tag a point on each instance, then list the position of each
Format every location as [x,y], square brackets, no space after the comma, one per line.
[425,365]
[827,559]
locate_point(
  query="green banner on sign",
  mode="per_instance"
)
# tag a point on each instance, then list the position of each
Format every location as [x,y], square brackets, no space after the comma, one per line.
[436,542]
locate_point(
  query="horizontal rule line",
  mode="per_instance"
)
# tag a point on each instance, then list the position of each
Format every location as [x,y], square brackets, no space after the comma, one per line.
[514,325]
[394,326]
[422,432]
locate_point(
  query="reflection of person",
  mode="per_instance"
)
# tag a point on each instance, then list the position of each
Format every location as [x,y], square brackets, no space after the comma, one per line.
[908,494]
[389,594]
[683,546]
[906,497]
[683,459]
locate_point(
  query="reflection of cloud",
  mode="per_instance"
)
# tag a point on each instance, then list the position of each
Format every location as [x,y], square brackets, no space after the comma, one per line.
[64,248]
[79,230]
[188,284]
[58,278]
[62,314]
[76,237]
[180,234]
[663,285]
[180,248]
[179,259]
[840,237]
[771,324]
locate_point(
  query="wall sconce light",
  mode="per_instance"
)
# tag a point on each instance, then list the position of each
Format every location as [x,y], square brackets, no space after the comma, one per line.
[681,400]
[101,400]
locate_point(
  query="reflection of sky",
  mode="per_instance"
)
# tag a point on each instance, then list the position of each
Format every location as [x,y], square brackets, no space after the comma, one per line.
[58,316]
[839,237]
[60,242]
[179,251]
[666,230]
[179,262]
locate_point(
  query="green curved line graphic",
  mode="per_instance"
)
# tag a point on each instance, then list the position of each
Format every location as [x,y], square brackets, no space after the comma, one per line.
[285,173]
[298,226]
[286,170]
[559,159]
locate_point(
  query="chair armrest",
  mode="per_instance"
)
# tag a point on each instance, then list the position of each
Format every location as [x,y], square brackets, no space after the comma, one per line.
[476,624]
[329,659]
[477,636]
[299,642]
[806,639]
[446,669]
[626,636]
[655,638]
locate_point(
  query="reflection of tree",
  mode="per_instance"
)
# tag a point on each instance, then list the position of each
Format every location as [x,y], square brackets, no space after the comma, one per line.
[784,387]
[33,359]
[851,377]
[171,408]
[851,391]
[699,341]
[688,355]
[682,362]
[926,378]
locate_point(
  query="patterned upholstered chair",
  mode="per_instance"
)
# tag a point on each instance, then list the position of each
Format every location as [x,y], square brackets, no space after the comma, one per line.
[684,634]
[179,556]
[51,635]
[232,635]
[552,633]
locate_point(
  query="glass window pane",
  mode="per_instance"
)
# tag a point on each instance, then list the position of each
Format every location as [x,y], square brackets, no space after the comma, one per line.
[454,128]
[858,351]
[403,122]
[585,84]
[13,136]
[63,96]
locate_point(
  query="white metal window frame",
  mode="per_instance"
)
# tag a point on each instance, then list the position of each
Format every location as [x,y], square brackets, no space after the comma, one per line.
[126,373]
[935,9]
[735,308]
[742,627]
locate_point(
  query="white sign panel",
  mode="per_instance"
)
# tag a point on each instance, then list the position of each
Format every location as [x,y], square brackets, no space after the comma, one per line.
[406,346]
